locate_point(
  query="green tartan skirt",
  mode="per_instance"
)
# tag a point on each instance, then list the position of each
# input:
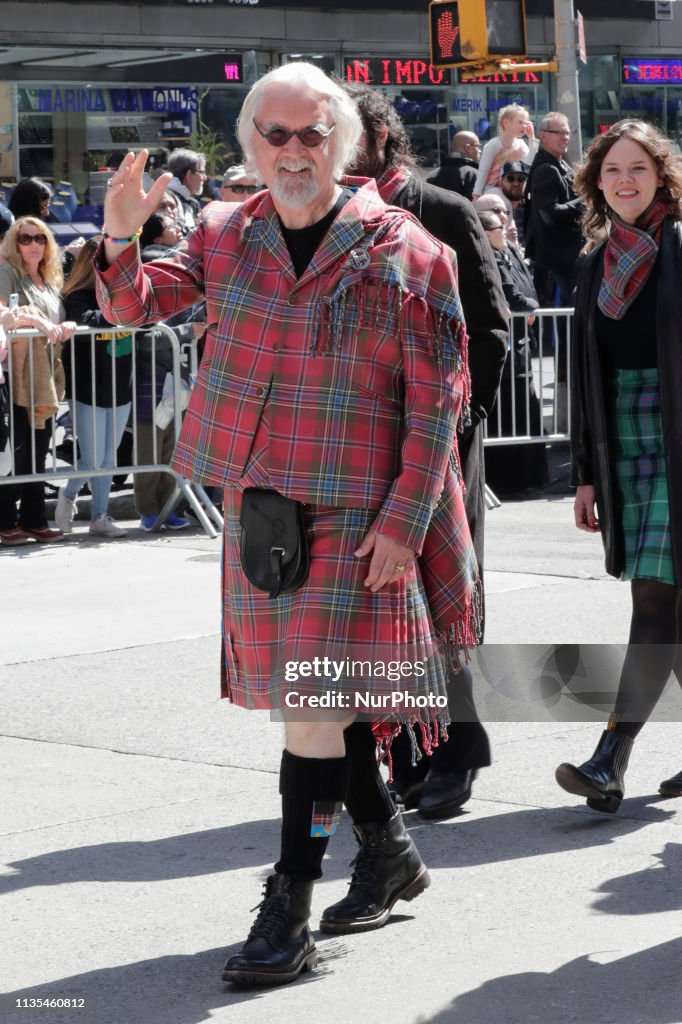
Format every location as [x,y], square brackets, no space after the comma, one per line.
[639,463]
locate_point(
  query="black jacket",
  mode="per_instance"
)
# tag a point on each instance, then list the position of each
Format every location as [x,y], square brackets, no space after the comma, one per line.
[591,455]
[517,281]
[112,351]
[553,237]
[457,174]
[452,219]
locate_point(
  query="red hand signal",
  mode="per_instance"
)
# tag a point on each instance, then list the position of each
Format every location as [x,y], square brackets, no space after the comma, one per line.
[447,34]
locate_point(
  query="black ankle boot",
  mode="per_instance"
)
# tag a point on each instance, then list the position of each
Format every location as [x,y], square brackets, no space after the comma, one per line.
[407,785]
[387,868]
[671,787]
[601,778]
[280,944]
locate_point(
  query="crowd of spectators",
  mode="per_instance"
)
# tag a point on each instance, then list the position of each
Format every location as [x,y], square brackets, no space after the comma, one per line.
[522,191]
[51,290]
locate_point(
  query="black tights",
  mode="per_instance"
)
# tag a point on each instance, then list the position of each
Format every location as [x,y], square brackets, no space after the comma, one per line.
[653,653]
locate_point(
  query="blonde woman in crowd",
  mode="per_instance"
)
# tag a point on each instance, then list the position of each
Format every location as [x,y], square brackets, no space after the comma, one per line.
[514,126]
[31,269]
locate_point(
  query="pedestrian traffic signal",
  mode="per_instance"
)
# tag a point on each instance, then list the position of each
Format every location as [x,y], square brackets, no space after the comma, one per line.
[473,31]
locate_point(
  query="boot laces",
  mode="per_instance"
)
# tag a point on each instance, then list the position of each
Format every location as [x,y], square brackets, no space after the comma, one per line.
[364,866]
[272,914]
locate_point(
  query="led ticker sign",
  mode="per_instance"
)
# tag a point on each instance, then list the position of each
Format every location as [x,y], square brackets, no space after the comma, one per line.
[470,76]
[233,67]
[394,71]
[644,72]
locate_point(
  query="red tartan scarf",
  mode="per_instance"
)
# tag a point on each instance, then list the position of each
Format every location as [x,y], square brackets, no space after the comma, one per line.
[629,258]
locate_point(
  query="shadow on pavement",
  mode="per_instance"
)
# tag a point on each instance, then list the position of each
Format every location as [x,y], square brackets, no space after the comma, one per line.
[654,890]
[182,989]
[642,987]
[248,844]
[465,842]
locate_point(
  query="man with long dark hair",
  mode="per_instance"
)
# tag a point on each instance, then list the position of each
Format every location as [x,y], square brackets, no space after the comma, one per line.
[441,784]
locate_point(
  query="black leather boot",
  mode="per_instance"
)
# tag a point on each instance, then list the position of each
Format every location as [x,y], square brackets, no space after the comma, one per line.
[280,944]
[671,787]
[387,868]
[406,787]
[601,778]
[444,793]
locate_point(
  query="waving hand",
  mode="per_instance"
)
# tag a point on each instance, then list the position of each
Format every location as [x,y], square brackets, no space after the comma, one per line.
[126,204]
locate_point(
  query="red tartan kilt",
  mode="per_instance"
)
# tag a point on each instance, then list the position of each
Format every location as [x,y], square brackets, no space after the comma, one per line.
[332,615]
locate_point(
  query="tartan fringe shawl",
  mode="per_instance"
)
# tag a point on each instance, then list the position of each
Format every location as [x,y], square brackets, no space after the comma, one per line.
[349,307]
[461,636]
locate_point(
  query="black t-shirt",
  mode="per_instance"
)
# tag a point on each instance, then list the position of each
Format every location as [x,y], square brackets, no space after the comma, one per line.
[630,343]
[303,243]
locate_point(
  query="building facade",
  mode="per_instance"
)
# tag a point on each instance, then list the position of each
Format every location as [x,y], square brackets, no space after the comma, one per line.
[81,83]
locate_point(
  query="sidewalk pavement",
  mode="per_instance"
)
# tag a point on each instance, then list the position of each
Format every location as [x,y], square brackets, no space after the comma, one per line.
[140,813]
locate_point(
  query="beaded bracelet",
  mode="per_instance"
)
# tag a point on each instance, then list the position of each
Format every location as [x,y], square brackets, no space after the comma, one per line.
[120,241]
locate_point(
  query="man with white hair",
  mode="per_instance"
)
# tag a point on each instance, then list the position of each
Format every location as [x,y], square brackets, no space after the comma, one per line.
[326,404]
[188,177]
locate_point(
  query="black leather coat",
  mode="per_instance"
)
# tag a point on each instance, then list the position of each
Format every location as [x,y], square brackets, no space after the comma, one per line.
[456,174]
[590,444]
[553,238]
[453,220]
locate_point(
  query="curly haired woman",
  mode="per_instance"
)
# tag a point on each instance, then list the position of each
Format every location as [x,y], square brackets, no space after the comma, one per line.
[627,423]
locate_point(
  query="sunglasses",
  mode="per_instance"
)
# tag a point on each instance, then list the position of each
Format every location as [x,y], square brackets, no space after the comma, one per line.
[515,178]
[240,190]
[557,131]
[28,239]
[310,137]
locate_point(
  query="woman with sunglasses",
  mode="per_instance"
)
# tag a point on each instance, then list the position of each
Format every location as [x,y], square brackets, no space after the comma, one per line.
[32,270]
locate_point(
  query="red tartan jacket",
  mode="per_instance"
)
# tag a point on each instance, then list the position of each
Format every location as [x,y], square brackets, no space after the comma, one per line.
[362,360]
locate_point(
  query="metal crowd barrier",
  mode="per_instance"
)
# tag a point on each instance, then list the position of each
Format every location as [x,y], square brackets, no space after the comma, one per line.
[184,356]
[534,401]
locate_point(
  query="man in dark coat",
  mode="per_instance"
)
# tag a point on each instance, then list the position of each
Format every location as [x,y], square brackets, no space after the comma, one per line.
[451,219]
[553,209]
[457,173]
[553,235]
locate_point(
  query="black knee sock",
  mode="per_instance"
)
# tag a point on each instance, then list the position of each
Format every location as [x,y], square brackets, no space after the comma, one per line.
[367,796]
[313,790]
[650,656]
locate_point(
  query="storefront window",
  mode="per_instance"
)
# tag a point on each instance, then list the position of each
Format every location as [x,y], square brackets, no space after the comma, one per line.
[78,133]
[599,94]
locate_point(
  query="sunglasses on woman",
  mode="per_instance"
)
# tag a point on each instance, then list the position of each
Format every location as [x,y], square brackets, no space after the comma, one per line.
[241,190]
[310,137]
[24,239]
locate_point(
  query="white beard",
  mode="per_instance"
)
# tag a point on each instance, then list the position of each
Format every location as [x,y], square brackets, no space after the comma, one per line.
[295,192]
